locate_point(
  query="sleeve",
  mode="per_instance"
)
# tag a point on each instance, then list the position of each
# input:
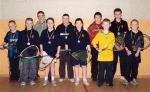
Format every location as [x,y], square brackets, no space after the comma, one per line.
[111,27]
[126,28]
[142,40]
[37,39]
[90,32]
[111,42]
[58,37]
[95,41]
[6,38]
[19,43]
[126,39]
[41,38]
[87,38]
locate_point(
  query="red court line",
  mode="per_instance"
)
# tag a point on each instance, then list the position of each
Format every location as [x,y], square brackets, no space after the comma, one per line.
[85,89]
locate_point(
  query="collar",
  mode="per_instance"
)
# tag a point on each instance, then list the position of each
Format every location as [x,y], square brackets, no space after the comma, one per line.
[118,22]
[50,30]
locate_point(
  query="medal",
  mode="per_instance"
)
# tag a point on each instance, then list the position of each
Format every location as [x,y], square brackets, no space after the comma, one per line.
[50,36]
[49,42]
[118,33]
[79,35]
[66,37]
[29,37]
[28,43]
[78,41]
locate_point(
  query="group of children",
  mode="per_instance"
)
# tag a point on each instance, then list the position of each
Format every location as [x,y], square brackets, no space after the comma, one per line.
[99,40]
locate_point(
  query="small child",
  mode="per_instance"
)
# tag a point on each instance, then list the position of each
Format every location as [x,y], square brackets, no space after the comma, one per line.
[27,38]
[133,54]
[105,41]
[81,41]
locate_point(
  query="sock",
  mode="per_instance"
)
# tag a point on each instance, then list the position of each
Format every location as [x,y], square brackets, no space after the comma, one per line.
[77,79]
[84,79]
[52,78]
[46,78]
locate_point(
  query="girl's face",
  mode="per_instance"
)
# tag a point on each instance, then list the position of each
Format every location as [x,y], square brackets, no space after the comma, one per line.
[12,26]
[106,25]
[29,24]
[79,24]
[134,25]
[50,24]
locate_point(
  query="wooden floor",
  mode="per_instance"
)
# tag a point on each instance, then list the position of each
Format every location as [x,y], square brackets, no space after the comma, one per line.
[66,86]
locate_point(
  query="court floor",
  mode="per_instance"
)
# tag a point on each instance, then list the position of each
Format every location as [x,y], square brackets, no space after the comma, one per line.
[66,86]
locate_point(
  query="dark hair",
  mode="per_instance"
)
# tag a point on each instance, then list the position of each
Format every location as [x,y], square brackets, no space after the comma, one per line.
[134,20]
[106,20]
[79,19]
[50,18]
[65,15]
[98,13]
[29,19]
[12,21]
[40,12]
[117,10]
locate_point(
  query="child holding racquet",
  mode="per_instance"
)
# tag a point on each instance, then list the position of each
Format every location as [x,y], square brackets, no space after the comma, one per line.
[28,37]
[48,44]
[105,41]
[134,42]
[80,42]
[11,39]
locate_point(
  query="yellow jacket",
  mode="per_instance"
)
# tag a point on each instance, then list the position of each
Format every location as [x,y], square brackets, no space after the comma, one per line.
[104,41]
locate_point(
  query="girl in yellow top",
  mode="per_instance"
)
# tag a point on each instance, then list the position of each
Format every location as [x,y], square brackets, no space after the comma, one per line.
[105,41]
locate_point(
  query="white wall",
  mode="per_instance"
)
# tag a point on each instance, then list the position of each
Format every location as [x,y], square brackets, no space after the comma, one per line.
[76,8]
[0,9]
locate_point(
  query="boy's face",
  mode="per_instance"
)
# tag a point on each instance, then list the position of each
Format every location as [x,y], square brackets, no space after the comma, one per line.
[12,26]
[78,24]
[106,25]
[65,19]
[41,17]
[117,14]
[50,24]
[29,24]
[97,18]
[134,25]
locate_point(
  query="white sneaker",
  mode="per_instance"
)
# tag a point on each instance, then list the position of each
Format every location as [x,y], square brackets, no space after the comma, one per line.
[54,83]
[32,83]
[61,80]
[122,78]
[125,82]
[23,83]
[45,82]
[85,82]
[77,82]
[134,82]
[71,80]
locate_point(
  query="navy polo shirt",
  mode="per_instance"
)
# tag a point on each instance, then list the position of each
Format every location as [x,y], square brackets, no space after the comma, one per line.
[49,40]
[79,43]
[119,27]
[23,39]
[131,36]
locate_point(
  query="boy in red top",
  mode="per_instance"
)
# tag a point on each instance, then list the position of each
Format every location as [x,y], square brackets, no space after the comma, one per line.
[93,29]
